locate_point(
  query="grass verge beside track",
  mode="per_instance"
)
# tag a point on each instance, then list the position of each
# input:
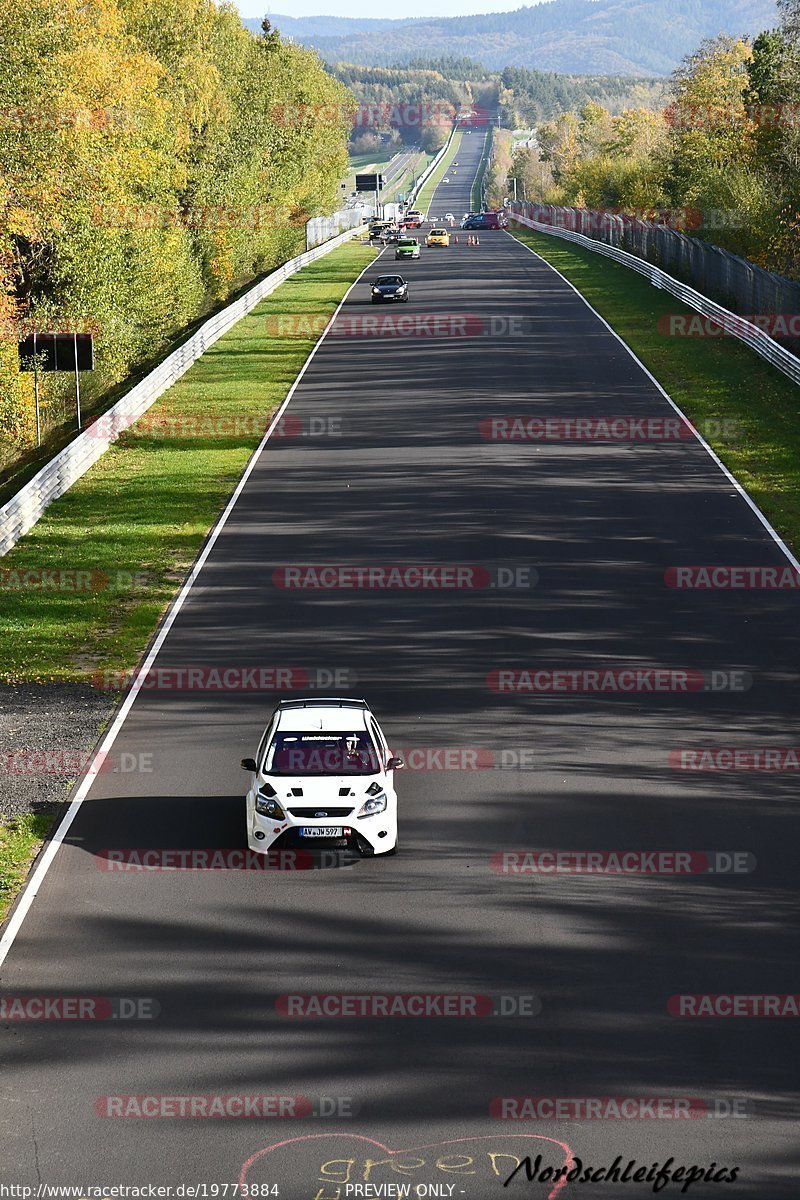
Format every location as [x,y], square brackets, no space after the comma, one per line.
[744,408]
[20,841]
[117,545]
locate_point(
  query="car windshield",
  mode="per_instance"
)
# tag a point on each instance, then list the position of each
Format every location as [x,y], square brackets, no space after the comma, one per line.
[386,280]
[438,233]
[321,754]
[408,241]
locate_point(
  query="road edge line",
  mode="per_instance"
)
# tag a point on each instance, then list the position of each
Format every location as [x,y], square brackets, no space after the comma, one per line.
[29,892]
[776,537]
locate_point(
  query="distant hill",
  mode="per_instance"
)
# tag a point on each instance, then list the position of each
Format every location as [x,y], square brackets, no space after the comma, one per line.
[614,37]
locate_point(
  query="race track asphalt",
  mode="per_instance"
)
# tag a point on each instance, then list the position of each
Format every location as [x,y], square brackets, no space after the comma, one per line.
[389,460]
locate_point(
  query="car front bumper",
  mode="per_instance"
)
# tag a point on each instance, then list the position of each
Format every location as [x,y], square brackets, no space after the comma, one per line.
[378,832]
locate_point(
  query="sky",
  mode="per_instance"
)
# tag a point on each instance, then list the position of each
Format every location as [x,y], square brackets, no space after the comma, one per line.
[368,8]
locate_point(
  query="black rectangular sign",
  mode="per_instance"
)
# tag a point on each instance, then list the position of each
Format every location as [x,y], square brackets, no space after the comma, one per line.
[56,351]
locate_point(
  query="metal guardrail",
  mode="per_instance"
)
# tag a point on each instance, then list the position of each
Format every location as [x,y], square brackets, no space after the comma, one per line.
[745,331]
[24,509]
[323,229]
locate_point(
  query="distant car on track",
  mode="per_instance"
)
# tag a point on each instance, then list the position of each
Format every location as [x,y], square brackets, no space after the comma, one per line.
[389,287]
[323,774]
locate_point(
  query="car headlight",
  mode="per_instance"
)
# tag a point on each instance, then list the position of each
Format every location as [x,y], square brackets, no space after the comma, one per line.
[377,290]
[372,806]
[402,288]
[268,806]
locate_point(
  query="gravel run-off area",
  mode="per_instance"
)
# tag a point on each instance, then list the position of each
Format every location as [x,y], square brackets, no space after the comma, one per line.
[47,733]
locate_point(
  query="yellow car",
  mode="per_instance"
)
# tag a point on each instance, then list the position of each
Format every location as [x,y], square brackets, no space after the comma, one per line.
[438,237]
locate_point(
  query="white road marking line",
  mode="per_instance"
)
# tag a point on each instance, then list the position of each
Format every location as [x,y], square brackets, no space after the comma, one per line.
[31,889]
[773,533]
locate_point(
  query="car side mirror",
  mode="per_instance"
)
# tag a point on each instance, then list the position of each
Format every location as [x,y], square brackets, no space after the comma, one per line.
[249,764]
[395,764]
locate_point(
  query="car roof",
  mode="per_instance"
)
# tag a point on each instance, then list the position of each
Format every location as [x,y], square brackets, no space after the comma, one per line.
[330,714]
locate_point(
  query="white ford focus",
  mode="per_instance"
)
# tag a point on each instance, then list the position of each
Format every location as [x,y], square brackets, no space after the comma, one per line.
[323,774]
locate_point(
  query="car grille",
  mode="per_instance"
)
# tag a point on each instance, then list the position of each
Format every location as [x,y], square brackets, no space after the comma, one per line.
[329,812]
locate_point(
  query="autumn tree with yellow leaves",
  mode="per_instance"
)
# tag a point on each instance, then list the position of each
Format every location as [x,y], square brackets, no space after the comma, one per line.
[154,156]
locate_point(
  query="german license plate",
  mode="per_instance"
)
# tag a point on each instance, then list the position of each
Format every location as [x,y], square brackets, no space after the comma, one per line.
[326,831]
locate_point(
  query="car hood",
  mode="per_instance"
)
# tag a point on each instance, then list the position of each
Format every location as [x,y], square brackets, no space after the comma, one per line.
[324,789]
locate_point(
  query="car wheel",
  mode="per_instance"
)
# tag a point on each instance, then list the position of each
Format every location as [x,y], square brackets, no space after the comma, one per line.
[405,298]
[374,301]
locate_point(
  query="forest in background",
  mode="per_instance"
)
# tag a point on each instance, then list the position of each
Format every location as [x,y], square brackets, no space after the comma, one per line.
[724,150]
[154,157]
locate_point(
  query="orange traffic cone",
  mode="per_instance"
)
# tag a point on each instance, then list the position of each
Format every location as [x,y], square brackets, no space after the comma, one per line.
[477,241]
[455,239]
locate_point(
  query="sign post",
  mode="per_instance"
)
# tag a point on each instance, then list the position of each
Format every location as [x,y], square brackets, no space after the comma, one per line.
[57,352]
[77,382]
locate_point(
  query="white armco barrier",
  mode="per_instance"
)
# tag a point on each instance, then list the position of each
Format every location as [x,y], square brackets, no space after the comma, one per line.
[25,508]
[730,322]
